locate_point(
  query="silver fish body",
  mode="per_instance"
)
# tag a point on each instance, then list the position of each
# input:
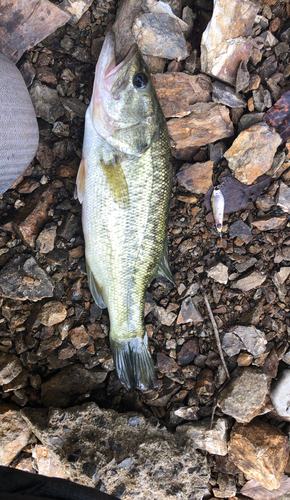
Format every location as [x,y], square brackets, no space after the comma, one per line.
[124,183]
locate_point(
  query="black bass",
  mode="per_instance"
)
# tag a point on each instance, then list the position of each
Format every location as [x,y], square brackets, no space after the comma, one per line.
[124,184]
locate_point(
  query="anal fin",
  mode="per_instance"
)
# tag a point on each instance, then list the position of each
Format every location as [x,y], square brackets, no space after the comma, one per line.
[95,288]
[80,181]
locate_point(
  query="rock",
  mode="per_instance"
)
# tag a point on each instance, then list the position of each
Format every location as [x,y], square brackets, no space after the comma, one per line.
[189,313]
[227,487]
[27,186]
[216,152]
[270,367]
[248,120]
[196,178]
[243,77]
[166,364]
[160,35]
[52,313]
[283,200]
[23,279]
[105,447]
[253,339]
[252,152]
[18,382]
[213,441]
[207,123]
[61,129]
[226,40]
[10,368]
[165,317]
[188,17]
[219,273]
[232,400]
[253,449]
[76,8]
[253,280]
[14,434]
[79,337]
[223,94]
[231,344]
[127,12]
[280,277]
[189,88]
[46,102]
[270,223]
[70,382]
[46,238]
[47,465]
[31,218]
[243,266]
[188,352]
[205,385]
[280,395]
[187,412]
[73,107]
[255,490]
[244,359]
[70,226]
[44,154]
[242,230]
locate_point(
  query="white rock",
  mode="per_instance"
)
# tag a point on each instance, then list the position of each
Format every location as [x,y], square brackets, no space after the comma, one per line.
[283,200]
[280,395]
[214,441]
[253,339]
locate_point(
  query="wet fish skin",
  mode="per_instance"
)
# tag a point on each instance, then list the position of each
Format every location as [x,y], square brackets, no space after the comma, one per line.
[218,203]
[124,184]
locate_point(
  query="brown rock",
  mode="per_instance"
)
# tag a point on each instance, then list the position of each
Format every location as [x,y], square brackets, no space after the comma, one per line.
[63,388]
[189,88]
[226,41]
[189,313]
[76,9]
[270,223]
[245,359]
[270,367]
[126,14]
[196,178]
[79,337]
[245,395]
[34,214]
[219,273]
[207,123]
[27,186]
[253,280]
[165,364]
[45,239]
[188,352]
[52,313]
[160,35]
[10,368]
[205,385]
[253,449]
[44,154]
[17,383]
[14,434]
[242,230]
[252,152]
[212,440]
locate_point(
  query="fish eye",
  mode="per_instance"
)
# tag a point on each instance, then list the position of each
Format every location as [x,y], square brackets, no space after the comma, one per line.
[219,225]
[140,80]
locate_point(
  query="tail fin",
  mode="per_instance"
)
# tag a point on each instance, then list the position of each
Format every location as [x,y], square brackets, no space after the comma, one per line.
[134,363]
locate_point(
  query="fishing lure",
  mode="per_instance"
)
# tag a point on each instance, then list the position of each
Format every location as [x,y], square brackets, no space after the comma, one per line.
[218,204]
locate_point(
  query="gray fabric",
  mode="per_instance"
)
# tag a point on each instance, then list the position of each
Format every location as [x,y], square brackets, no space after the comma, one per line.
[18,125]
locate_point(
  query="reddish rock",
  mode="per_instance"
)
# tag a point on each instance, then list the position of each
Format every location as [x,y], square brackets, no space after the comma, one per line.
[253,449]
[270,223]
[52,313]
[165,364]
[79,337]
[196,178]
[205,385]
[34,214]
[188,352]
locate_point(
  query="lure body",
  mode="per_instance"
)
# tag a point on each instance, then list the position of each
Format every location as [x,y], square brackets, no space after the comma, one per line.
[218,204]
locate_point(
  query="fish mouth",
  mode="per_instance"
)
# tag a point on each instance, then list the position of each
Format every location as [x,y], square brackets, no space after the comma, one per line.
[106,67]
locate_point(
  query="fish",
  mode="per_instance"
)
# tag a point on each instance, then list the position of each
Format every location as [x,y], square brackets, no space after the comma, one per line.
[218,204]
[124,184]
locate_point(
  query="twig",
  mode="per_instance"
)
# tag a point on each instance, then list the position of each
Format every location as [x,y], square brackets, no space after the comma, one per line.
[215,329]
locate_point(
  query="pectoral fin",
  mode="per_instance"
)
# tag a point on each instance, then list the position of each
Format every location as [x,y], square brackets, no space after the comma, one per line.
[95,288]
[117,182]
[80,182]
[163,270]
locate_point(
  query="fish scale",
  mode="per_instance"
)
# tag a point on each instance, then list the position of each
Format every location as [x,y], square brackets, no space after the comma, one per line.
[124,183]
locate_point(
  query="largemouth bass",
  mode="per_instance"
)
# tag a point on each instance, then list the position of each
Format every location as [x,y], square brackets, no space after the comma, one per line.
[124,184]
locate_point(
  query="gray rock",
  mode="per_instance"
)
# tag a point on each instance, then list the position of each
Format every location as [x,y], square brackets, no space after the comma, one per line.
[231,344]
[253,280]
[227,487]
[280,395]
[212,440]
[245,395]
[73,107]
[243,266]
[45,239]
[125,451]
[242,230]
[23,279]
[253,339]
[14,434]
[248,120]
[160,35]
[46,102]
[283,199]
[216,152]
[189,313]
[62,389]
[243,77]
[223,94]
[10,368]
[165,318]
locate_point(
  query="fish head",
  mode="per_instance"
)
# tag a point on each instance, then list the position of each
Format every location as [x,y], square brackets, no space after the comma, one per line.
[124,108]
